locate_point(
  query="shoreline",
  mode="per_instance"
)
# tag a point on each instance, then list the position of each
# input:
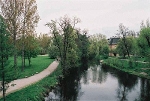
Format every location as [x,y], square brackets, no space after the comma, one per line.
[139,74]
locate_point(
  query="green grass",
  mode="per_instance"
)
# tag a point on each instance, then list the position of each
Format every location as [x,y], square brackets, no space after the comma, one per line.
[38,64]
[37,91]
[139,58]
[130,66]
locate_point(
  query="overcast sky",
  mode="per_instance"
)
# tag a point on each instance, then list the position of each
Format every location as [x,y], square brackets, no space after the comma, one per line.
[98,16]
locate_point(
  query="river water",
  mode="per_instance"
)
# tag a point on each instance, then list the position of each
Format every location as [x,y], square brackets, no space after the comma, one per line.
[100,83]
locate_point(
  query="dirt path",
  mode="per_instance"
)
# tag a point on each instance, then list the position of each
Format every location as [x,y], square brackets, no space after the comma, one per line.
[22,83]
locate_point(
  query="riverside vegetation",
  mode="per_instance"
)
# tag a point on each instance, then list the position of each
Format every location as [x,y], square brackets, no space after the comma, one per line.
[132,66]
[133,51]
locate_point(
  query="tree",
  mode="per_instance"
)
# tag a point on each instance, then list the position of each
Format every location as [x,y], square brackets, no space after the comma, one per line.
[44,42]
[122,49]
[144,42]
[114,51]
[4,52]
[21,17]
[31,47]
[11,10]
[97,43]
[145,34]
[124,32]
[53,52]
[64,35]
[105,51]
[29,21]
[82,42]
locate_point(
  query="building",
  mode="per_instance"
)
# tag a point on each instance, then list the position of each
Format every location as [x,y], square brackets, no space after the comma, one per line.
[112,45]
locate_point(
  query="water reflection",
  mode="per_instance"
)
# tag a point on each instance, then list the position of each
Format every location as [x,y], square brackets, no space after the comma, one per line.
[144,91]
[96,83]
[70,86]
[94,74]
[126,84]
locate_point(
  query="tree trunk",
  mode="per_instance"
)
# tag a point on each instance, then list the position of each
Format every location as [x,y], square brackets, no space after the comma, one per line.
[3,78]
[3,73]
[15,58]
[3,84]
[23,58]
[23,38]
[30,62]
[29,59]
[23,64]
[148,41]
[15,48]
[125,44]
[124,56]
[123,94]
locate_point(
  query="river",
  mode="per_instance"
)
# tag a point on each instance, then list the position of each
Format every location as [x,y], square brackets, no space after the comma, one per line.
[100,83]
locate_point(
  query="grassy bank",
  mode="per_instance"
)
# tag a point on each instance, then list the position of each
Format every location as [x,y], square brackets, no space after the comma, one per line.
[138,68]
[38,64]
[36,91]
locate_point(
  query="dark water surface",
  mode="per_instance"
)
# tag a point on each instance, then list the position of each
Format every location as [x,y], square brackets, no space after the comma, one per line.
[100,83]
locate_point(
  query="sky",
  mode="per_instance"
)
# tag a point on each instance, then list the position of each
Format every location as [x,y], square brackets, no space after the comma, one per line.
[97,16]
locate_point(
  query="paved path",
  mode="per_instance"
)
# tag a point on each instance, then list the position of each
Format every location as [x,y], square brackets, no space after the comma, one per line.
[22,83]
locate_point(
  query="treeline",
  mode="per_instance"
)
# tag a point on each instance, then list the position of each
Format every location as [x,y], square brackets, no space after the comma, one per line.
[134,44]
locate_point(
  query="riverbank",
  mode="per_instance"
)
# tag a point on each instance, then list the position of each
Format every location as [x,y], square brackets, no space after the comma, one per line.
[37,91]
[138,68]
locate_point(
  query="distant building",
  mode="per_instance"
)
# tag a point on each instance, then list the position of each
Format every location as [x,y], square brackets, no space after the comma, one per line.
[112,45]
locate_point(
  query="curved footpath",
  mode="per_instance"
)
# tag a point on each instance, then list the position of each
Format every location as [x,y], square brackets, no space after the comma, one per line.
[22,83]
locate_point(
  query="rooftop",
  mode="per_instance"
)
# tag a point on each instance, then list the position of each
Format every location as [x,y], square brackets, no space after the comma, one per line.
[113,41]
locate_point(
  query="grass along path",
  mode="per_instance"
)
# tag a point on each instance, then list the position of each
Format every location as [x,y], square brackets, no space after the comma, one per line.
[22,83]
[38,90]
[38,64]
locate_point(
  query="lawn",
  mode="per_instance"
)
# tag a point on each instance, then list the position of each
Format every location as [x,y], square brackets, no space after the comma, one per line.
[38,64]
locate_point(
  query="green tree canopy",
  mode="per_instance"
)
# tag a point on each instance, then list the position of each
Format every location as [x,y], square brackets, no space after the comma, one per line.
[31,47]
[144,42]
[4,53]
[64,34]
[98,45]
[121,48]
